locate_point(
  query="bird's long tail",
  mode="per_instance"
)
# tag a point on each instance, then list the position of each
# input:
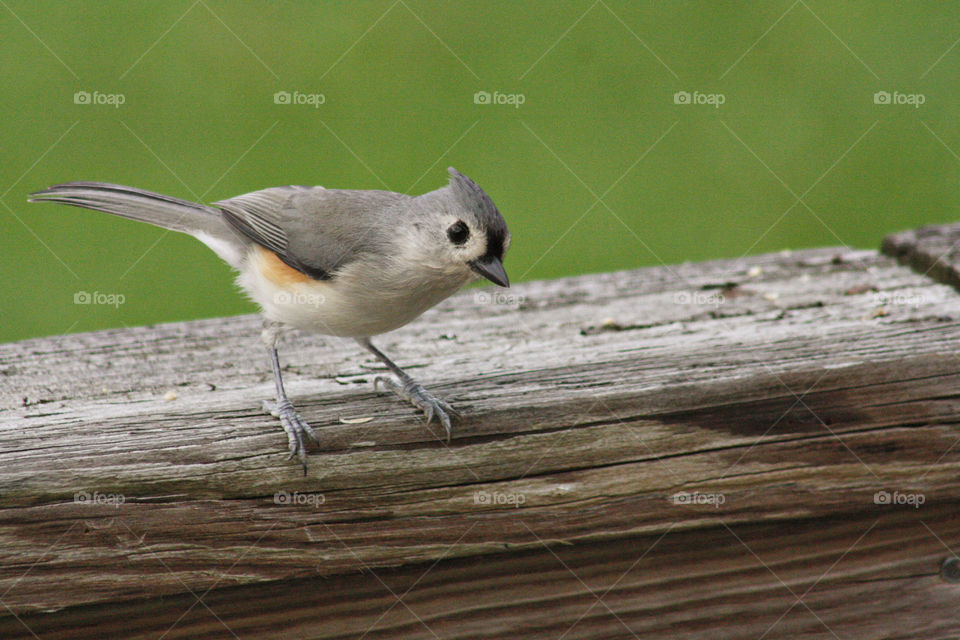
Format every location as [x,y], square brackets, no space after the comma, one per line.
[136,204]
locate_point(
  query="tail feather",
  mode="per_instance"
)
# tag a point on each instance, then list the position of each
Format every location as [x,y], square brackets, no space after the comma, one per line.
[136,204]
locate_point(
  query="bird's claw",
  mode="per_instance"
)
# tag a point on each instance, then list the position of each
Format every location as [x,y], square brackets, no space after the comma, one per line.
[422,399]
[298,431]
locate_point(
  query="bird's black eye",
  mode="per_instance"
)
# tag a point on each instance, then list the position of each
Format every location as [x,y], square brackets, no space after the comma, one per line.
[458,232]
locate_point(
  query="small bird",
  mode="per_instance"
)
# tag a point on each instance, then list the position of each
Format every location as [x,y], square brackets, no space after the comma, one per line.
[347,263]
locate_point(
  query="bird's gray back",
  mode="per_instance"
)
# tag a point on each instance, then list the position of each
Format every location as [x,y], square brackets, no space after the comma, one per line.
[315,230]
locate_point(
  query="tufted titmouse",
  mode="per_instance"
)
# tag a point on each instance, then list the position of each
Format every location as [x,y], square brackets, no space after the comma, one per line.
[331,261]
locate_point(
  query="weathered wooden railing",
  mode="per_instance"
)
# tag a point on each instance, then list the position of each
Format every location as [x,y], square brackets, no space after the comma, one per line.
[765,447]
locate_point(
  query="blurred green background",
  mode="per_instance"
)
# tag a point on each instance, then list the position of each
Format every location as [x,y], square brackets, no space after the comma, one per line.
[799,154]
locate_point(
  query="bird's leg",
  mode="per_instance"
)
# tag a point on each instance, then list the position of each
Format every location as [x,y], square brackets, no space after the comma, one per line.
[411,390]
[298,431]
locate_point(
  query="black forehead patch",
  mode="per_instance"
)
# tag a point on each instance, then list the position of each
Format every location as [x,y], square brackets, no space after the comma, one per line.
[495,240]
[475,199]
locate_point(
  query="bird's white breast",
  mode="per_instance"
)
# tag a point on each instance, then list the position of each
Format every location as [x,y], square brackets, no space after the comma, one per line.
[360,301]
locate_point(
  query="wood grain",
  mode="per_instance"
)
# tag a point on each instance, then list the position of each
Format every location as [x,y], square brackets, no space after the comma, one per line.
[715,433]
[932,251]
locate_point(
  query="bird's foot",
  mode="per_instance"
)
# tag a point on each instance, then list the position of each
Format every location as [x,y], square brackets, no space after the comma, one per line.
[422,399]
[298,431]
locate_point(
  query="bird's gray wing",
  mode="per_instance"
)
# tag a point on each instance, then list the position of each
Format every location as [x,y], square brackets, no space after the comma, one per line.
[314,230]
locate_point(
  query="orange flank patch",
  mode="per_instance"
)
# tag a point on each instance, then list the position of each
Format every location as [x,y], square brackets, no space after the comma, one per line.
[276,270]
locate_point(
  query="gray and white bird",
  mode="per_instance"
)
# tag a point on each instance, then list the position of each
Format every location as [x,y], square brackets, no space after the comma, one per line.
[336,262]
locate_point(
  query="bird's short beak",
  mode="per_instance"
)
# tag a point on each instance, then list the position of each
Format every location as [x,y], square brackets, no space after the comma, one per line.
[491,269]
